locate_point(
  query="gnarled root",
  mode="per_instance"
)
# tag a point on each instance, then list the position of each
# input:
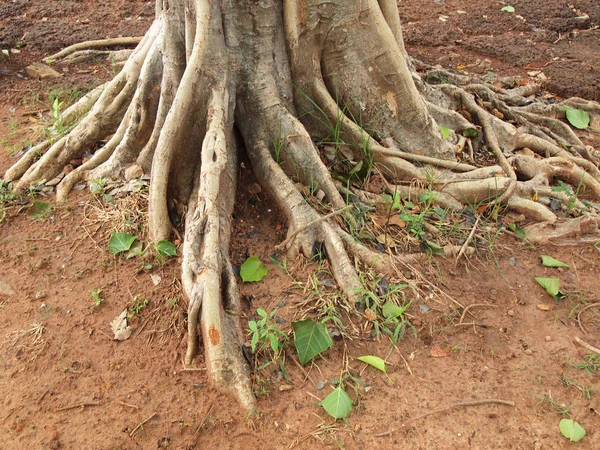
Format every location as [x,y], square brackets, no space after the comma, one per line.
[290,74]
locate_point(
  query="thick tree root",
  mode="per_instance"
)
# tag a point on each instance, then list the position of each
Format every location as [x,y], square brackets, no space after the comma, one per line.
[89,45]
[288,74]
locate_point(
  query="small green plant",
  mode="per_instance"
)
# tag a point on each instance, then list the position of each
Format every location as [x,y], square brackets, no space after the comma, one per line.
[98,299]
[278,144]
[585,390]
[411,213]
[591,364]
[98,188]
[264,334]
[385,307]
[572,196]
[563,410]
[136,306]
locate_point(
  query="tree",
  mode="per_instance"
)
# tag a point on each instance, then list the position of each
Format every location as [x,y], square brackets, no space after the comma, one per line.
[285,73]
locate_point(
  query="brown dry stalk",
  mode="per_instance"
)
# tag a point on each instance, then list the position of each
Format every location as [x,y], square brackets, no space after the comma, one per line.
[475,305]
[488,401]
[78,405]
[291,237]
[584,344]
[141,424]
[593,305]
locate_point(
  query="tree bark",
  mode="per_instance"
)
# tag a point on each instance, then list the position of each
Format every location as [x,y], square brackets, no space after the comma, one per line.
[287,74]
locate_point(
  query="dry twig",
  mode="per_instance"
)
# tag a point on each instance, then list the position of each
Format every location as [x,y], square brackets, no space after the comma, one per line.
[78,405]
[447,408]
[593,305]
[584,344]
[141,424]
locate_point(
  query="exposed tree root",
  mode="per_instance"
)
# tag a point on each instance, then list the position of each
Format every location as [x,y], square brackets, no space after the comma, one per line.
[88,45]
[288,74]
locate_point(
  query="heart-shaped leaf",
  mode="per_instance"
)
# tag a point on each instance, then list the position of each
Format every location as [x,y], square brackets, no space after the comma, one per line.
[39,209]
[391,310]
[311,338]
[374,361]
[471,133]
[552,286]
[253,270]
[519,232]
[571,430]
[549,261]
[338,404]
[120,242]
[431,248]
[166,248]
[579,118]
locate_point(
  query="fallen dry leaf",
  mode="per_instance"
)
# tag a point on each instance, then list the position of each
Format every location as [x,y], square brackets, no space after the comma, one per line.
[544,307]
[120,328]
[370,315]
[437,351]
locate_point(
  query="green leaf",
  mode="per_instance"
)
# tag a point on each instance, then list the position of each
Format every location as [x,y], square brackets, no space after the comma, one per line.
[431,248]
[519,232]
[578,118]
[445,132]
[338,404]
[471,133]
[39,209]
[5,52]
[571,430]
[252,325]
[391,310]
[374,361]
[166,248]
[120,242]
[310,338]
[509,9]
[552,286]
[548,261]
[253,270]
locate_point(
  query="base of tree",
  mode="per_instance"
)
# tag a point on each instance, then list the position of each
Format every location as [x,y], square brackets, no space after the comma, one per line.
[283,77]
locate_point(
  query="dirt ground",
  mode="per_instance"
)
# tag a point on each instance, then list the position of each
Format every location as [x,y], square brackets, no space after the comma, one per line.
[67,384]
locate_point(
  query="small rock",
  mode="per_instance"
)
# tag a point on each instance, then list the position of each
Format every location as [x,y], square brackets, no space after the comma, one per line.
[54,181]
[40,295]
[423,308]
[512,261]
[6,289]
[285,387]
[41,71]
[320,195]
[134,171]
[319,385]
[548,338]
[528,352]
[510,312]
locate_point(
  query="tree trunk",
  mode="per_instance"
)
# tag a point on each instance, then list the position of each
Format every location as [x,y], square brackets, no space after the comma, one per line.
[287,73]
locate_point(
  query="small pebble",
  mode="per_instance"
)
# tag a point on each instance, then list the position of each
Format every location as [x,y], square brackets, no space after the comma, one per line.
[548,338]
[528,352]
[511,313]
